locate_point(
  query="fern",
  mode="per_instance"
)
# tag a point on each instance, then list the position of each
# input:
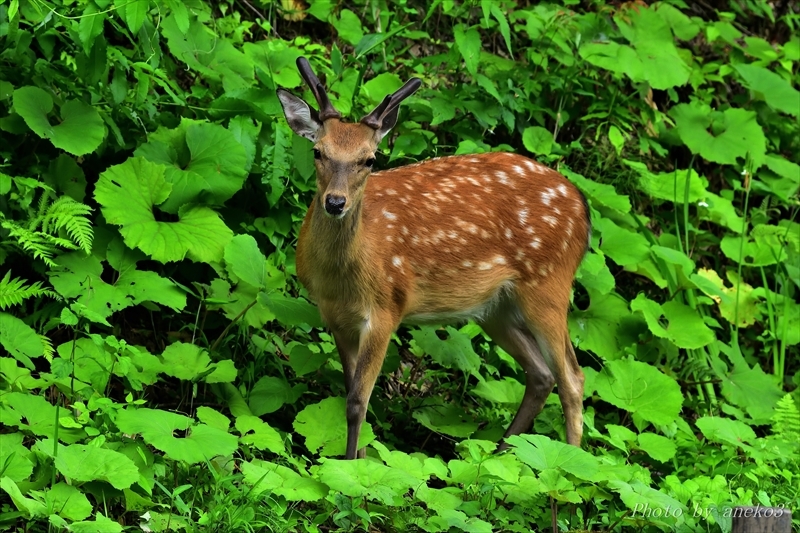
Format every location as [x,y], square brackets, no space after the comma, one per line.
[786,420]
[14,291]
[63,224]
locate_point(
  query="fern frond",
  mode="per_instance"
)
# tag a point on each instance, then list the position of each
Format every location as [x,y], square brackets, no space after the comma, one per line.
[14,291]
[73,216]
[786,420]
[47,346]
[34,242]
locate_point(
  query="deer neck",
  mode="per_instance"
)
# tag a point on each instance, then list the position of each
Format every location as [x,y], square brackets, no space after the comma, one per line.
[339,242]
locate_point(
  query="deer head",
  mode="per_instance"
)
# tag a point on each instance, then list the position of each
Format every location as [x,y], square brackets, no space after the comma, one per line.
[344,153]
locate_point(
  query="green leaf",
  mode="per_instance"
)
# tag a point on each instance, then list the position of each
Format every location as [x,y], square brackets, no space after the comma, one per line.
[597,328]
[283,481]
[623,246]
[446,418]
[367,479]
[245,261]
[348,26]
[269,394]
[659,448]
[35,414]
[291,311]
[303,360]
[100,524]
[639,388]
[259,434]
[90,26]
[456,351]
[508,390]
[15,459]
[595,275]
[737,304]
[68,502]
[146,286]
[469,46]
[190,362]
[661,64]
[205,163]
[324,427]
[684,326]
[537,140]
[600,194]
[381,85]
[637,495]
[777,91]
[734,134]
[80,130]
[134,13]
[90,463]
[158,428]
[725,430]
[20,340]
[127,194]
[540,453]
[27,506]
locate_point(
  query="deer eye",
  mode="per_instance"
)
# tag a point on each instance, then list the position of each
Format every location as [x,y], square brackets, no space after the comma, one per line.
[317,154]
[369,162]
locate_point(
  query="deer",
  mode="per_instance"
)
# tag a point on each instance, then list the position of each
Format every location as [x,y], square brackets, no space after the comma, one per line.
[494,237]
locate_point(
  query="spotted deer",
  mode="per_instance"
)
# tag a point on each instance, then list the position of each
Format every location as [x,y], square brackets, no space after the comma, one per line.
[493,237]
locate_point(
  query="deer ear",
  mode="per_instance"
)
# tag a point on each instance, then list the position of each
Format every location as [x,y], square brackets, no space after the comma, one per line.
[388,122]
[303,120]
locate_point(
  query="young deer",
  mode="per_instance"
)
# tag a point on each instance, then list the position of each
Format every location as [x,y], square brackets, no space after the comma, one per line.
[493,237]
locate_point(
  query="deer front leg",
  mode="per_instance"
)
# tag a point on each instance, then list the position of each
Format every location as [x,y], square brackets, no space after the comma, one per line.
[374,340]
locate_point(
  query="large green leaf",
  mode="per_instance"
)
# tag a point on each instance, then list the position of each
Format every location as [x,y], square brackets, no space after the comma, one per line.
[127,194]
[367,479]
[283,481]
[734,133]
[639,388]
[684,326]
[468,43]
[80,130]
[324,427]
[35,414]
[456,351]
[191,362]
[725,430]
[158,429]
[205,163]
[20,340]
[777,91]
[81,463]
[598,328]
[540,453]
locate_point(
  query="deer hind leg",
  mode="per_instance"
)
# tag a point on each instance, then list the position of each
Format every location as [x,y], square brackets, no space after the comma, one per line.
[545,307]
[508,330]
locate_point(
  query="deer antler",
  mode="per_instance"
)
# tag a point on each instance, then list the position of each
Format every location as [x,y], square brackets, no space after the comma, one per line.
[326,109]
[389,104]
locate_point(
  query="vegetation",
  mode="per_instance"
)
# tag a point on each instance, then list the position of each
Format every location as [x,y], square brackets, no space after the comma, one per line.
[161,368]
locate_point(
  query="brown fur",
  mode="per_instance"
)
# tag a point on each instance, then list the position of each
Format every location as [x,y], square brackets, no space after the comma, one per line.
[495,237]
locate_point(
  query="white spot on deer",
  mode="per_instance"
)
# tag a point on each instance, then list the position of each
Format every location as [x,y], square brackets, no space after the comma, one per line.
[474,181]
[548,195]
[389,238]
[557,211]
[529,229]
[390,226]
[520,254]
[531,165]
[467,264]
[474,160]
[543,272]
[404,230]
[569,229]
[404,199]
[462,240]
[550,220]
[452,234]
[523,216]
[499,260]
[533,282]
[472,228]
[528,266]
[536,243]
[401,240]
[509,233]
[389,279]
[485,234]
[519,170]
[562,189]
[483,265]
[389,215]
[391,192]
[397,261]
[415,240]
[409,186]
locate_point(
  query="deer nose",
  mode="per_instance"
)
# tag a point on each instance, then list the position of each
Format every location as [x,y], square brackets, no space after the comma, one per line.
[334,205]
